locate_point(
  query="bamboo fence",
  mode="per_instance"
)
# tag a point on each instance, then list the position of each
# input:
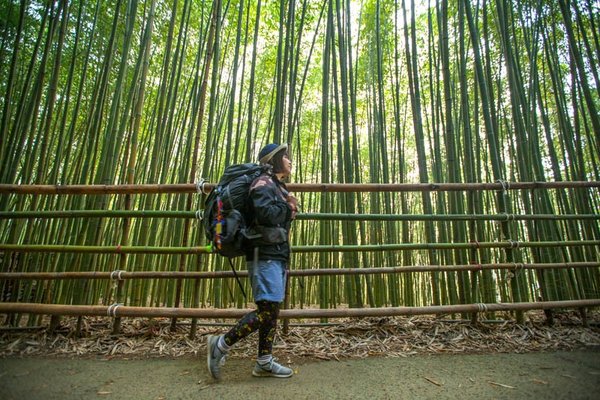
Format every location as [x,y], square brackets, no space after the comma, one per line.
[500,93]
[121,275]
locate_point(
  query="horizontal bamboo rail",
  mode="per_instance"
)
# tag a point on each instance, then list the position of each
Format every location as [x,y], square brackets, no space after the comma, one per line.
[294,187]
[125,275]
[300,216]
[37,248]
[40,248]
[437,187]
[101,189]
[511,244]
[442,217]
[97,214]
[117,310]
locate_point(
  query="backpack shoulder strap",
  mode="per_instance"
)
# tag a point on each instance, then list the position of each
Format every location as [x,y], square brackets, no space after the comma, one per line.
[262,180]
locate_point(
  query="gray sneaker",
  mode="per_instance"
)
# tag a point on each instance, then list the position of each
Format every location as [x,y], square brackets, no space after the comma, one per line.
[272,369]
[215,358]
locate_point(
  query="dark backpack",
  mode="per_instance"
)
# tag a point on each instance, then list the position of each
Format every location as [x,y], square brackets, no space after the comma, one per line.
[228,212]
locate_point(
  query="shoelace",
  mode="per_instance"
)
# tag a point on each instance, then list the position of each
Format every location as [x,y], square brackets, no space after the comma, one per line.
[270,365]
[223,357]
[222,360]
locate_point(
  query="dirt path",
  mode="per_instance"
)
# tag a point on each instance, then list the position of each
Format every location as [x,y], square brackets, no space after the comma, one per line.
[556,375]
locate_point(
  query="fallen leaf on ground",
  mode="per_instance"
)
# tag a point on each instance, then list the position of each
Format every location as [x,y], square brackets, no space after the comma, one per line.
[501,385]
[432,381]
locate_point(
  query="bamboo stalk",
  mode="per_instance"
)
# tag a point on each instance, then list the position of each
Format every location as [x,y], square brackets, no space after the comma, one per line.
[579,61]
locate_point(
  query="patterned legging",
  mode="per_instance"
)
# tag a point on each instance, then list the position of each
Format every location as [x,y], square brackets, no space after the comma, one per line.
[264,319]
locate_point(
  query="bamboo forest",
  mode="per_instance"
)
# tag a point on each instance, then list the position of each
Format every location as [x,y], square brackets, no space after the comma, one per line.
[444,152]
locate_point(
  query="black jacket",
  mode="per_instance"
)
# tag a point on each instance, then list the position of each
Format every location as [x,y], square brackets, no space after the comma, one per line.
[272,216]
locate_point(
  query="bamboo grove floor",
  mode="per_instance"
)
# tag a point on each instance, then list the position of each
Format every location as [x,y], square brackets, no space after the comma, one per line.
[340,339]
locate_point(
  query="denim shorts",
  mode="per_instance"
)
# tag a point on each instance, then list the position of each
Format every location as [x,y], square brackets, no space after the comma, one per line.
[268,280]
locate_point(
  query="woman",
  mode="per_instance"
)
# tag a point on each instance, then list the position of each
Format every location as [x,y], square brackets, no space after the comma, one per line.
[274,209]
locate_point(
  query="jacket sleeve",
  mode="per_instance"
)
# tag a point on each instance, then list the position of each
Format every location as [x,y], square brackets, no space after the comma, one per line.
[269,208]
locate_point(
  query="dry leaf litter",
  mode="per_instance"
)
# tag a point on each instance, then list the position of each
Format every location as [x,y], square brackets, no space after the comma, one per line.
[340,339]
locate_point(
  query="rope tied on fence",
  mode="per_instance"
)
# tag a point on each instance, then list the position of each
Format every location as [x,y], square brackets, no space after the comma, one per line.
[482,307]
[117,274]
[514,244]
[518,268]
[505,186]
[200,186]
[509,217]
[200,215]
[112,309]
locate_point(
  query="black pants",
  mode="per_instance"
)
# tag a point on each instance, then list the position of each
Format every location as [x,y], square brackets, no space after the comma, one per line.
[263,319]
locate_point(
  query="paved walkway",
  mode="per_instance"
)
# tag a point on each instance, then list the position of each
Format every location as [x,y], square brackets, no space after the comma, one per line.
[559,375]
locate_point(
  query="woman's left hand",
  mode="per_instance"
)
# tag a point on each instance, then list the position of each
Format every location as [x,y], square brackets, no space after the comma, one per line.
[293,204]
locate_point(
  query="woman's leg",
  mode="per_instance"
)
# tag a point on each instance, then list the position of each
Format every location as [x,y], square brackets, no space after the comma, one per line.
[269,312]
[244,327]
[266,365]
[263,319]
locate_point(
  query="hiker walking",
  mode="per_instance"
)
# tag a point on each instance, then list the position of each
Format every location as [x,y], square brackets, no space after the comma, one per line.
[273,209]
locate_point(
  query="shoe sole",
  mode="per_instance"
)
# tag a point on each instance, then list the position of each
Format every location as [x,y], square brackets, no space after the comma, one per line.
[269,375]
[209,349]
